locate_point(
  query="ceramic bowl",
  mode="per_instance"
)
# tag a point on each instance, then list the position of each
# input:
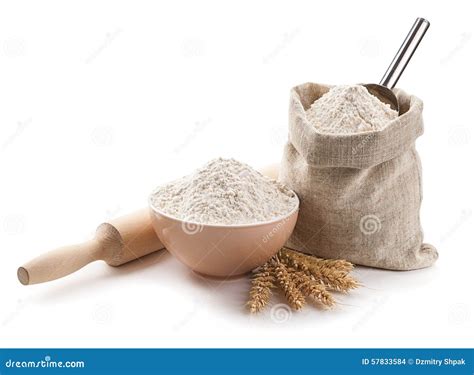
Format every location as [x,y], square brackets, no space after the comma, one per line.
[222,250]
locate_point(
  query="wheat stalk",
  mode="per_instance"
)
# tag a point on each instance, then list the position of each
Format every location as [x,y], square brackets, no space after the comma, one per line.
[310,288]
[293,295]
[263,282]
[299,276]
[337,264]
[325,272]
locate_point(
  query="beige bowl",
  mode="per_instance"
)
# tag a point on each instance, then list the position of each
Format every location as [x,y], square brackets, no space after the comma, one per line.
[222,250]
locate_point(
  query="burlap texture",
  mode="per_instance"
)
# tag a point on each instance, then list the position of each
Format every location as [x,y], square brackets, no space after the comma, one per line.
[360,194]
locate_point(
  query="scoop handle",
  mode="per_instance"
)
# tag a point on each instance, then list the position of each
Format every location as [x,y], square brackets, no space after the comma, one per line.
[405,53]
[59,263]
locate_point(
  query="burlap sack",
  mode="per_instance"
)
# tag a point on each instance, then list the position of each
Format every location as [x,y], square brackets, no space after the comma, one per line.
[360,194]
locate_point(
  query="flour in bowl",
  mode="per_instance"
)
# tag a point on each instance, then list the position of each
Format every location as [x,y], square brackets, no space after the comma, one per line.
[349,110]
[227,192]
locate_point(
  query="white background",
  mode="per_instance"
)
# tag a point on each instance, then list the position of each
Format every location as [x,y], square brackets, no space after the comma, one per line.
[102,101]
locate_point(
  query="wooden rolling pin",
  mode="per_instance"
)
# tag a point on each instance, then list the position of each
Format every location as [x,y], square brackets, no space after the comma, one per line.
[117,242]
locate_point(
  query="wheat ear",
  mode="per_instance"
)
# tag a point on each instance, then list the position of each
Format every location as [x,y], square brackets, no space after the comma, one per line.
[324,273]
[293,295]
[310,288]
[263,281]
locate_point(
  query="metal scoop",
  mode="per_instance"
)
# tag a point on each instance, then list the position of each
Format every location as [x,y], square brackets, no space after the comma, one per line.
[383,91]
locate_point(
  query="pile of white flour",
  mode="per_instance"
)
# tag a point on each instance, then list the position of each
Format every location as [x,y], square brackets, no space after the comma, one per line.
[224,191]
[349,110]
